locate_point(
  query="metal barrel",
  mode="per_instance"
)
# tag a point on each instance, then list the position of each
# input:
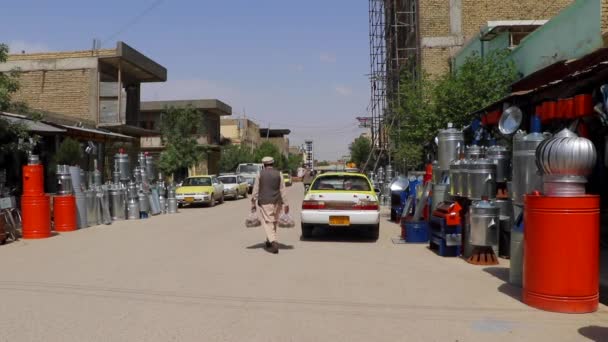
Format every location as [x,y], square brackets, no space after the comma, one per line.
[64,213]
[36,217]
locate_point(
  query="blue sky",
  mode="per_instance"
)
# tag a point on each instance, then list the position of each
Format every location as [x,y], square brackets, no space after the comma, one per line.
[287,64]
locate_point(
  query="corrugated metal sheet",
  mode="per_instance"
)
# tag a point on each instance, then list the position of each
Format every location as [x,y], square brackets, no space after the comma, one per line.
[31,125]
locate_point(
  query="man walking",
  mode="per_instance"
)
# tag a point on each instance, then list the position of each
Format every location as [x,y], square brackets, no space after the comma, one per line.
[269,194]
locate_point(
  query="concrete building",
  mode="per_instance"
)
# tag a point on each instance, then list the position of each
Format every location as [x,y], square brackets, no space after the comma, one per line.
[295,150]
[241,132]
[209,135]
[98,88]
[278,137]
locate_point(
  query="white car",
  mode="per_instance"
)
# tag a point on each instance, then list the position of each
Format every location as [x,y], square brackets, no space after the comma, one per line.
[234,186]
[341,201]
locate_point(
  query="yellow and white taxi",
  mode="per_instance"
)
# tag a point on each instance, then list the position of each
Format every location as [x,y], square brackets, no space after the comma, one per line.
[341,200]
[200,189]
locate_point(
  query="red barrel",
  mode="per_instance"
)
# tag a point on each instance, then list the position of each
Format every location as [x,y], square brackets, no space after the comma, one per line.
[33,180]
[64,212]
[36,217]
[561,258]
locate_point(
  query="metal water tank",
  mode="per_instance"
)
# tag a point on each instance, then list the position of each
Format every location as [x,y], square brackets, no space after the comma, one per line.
[450,141]
[64,180]
[485,223]
[526,176]
[501,156]
[481,179]
[122,160]
[118,200]
[150,168]
[474,152]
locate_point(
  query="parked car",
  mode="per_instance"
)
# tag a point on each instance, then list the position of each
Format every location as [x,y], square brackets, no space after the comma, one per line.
[249,172]
[287,179]
[341,200]
[200,189]
[235,186]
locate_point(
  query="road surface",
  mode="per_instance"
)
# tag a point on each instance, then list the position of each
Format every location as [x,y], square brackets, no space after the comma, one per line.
[200,275]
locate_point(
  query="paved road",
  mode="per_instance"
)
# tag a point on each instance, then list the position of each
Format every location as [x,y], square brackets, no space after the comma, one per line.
[201,276]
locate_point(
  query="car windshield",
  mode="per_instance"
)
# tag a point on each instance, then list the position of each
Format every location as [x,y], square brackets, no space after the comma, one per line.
[248,168]
[227,180]
[197,181]
[341,183]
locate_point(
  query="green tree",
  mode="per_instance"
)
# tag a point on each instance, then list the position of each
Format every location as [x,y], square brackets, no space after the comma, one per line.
[270,150]
[294,161]
[9,82]
[425,105]
[360,150]
[232,156]
[323,163]
[180,128]
[68,153]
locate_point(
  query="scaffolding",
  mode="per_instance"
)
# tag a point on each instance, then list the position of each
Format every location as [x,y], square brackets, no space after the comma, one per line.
[394,50]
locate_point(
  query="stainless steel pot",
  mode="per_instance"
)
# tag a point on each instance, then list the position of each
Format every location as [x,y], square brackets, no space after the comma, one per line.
[501,156]
[481,179]
[451,141]
[485,223]
[526,177]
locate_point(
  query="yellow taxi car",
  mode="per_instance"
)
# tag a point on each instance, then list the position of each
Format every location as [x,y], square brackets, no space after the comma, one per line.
[341,200]
[200,189]
[287,179]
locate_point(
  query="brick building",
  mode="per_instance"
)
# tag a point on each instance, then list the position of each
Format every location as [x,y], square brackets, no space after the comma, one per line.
[241,132]
[445,25]
[98,88]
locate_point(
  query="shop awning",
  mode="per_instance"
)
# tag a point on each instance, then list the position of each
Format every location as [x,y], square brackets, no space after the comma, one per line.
[31,125]
[96,133]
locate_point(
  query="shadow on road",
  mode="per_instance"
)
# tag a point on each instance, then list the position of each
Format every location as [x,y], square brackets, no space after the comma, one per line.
[336,235]
[262,245]
[502,273]
[594,333]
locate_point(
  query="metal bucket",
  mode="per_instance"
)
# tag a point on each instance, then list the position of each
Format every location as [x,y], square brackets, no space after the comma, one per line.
[485,224]
[502,158]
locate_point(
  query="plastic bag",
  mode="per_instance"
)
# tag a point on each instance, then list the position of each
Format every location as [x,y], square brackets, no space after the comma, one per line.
[285,221]
[252,220]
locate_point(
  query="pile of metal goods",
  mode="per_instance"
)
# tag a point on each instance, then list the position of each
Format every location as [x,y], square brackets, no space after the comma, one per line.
[142,195]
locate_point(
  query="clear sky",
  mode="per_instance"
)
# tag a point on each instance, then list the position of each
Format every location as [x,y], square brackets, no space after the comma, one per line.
[285,63]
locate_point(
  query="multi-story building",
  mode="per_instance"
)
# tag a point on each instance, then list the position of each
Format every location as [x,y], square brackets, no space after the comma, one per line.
[241,132]
[98,88]
[208,135]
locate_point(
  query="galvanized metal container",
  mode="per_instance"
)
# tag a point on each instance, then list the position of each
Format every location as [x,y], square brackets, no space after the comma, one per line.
[440,194]
[437,173]
[144,202]
[462,178]
[118,200]
[133,211]
[450,141]
[485,223]
[92,207]
[64,180]
[122,160]
[481,179]
[81,209]
[150,168]
[501,156]
[77,184]
[526,176]
[172,206]
[474,152]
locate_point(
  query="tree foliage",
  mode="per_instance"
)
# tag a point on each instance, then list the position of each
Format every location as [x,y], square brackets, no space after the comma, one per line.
[294,161]
[180,128]
[425,105]
[68,153]
[8,81]
[360,150]
[268,149]
[232,156]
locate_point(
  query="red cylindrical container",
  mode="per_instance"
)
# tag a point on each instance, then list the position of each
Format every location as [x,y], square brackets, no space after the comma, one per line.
[33,180]
[539,110]
[583,105]
[36,217]
[64,211]
[569,108]
[550,108]
[561,259]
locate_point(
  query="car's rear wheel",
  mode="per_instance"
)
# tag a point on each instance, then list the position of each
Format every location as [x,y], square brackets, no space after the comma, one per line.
[374,232]
[307,231]
[222,199]
[212,203]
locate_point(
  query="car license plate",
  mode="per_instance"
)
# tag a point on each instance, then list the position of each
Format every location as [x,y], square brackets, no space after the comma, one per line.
[189,199]
[339,221]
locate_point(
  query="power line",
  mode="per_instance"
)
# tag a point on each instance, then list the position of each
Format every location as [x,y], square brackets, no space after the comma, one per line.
[133,21]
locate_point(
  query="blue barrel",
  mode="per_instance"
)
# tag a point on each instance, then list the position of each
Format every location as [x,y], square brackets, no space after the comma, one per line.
[416,232]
